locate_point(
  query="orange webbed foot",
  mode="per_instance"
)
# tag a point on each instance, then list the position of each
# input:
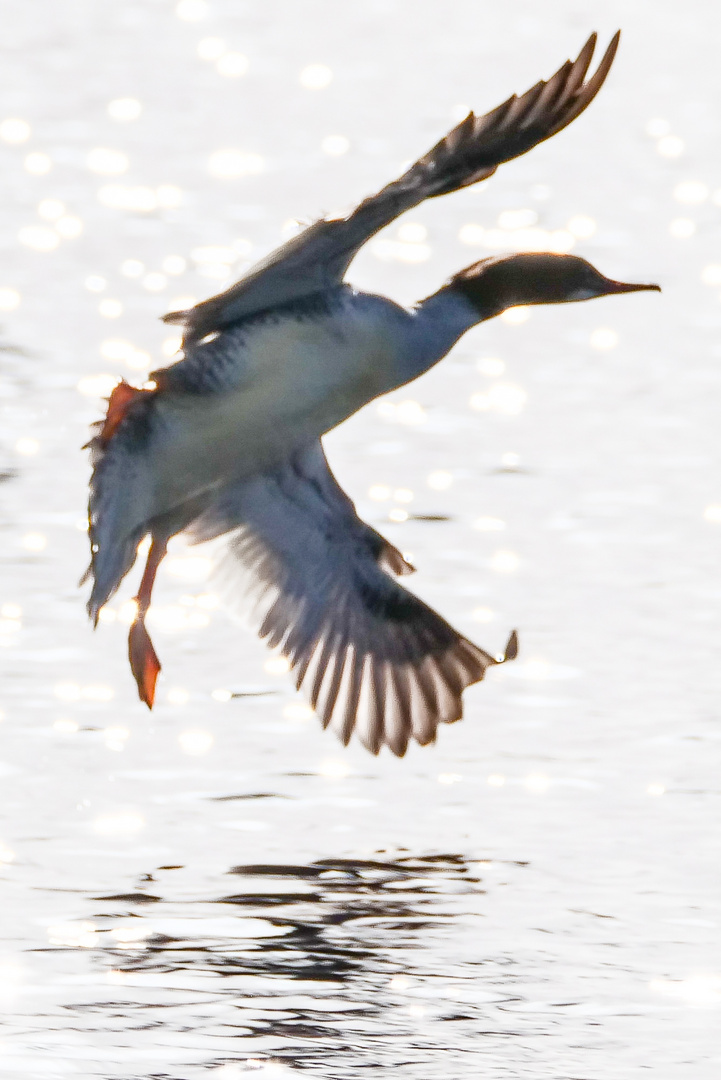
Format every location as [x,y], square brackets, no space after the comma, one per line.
[144,662]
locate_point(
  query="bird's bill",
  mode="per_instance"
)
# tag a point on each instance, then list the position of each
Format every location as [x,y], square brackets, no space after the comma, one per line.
[622,286]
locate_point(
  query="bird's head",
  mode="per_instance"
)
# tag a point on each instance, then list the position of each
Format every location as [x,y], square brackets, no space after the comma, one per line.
[497,283]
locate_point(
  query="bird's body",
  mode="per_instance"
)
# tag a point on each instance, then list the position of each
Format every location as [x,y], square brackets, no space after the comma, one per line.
[244,401]
[228,439]
[289,376]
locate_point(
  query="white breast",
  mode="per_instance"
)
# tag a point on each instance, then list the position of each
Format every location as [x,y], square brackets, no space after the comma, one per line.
[299,378]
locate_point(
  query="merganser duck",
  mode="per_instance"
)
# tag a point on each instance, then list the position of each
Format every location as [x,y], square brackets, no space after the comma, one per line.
[227,443]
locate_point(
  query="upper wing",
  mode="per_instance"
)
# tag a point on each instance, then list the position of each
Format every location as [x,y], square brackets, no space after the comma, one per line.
[319,257]
[370,655]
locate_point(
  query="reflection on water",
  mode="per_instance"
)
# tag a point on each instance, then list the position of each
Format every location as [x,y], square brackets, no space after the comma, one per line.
[332,965]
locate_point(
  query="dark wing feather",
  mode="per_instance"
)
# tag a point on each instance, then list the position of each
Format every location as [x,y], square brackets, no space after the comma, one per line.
[318,258]
[371,657]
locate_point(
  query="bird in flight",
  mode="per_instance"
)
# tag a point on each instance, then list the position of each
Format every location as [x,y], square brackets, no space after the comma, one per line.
[227,441]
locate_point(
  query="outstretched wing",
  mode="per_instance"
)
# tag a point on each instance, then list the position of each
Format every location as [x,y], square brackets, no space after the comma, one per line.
[370,656]
[318,258]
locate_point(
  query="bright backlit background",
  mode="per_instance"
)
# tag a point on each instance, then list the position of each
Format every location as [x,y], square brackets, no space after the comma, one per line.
[560,472]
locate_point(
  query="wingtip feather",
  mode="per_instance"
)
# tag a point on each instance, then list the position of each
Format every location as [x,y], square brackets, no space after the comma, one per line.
[511,650]
[176,318]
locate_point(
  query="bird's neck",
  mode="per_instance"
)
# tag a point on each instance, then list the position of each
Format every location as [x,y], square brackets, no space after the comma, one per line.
[436,325]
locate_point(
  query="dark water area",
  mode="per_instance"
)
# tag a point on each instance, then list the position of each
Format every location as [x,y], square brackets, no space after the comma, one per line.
[323,966]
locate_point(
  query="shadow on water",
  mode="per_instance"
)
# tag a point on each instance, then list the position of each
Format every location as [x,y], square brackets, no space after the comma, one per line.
[334,964]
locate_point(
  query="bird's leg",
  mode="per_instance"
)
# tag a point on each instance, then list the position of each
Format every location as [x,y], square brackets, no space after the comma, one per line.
[144,662]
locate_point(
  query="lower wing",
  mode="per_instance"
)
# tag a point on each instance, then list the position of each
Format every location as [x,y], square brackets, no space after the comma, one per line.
[371,656]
